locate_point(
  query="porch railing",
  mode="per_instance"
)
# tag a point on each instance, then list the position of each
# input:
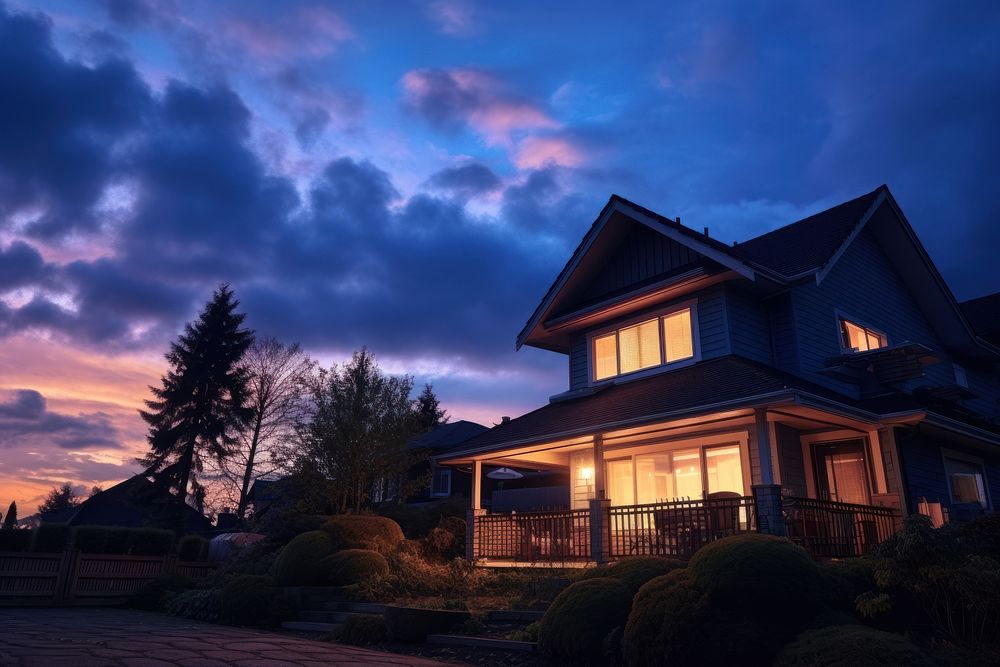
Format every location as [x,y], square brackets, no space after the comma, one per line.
[829,529]
[677,528]
[561,535]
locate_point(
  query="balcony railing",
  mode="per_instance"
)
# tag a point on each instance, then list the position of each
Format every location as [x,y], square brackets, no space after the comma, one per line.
[677,528]
[557,536]
[829,529]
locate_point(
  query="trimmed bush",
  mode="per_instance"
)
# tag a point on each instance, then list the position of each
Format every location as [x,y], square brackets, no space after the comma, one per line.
[362,630]
[582,617]
[845,580]
[153,595]
[15,539]
[254,600]
[351,531]
[850,646]
[299,562]
[51,537]
[738,601]
[411,624]
[352,566]
[192,547]
[417,520]
[123,541]
[634,572]
[984,533]
[199,605]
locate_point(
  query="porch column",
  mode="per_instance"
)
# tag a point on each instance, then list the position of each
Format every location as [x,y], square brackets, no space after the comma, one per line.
[762,434]
[474,512]
[477,484]
[600,539]
[599,483]
[767,504]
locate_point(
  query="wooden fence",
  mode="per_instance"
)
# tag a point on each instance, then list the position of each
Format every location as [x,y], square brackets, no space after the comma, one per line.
[71,577]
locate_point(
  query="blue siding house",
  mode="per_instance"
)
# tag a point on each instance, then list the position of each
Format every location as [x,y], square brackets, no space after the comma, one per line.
[819,381]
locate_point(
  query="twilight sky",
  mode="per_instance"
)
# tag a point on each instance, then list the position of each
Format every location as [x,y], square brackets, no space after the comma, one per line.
[412,176]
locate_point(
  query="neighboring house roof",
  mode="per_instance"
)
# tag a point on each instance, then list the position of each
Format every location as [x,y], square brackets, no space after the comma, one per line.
[984,316]
[815,239]
[137,502]
[729,381]
[447,436]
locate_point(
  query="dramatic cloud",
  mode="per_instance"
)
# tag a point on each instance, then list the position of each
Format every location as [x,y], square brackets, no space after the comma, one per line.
[26,422]
[467,180]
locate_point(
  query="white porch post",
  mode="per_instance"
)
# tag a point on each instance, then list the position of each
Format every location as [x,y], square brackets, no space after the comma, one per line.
[472,528]
[766,494]
[477,485]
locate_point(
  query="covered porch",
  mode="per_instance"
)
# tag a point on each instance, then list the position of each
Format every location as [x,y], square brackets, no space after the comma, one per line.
[827,480]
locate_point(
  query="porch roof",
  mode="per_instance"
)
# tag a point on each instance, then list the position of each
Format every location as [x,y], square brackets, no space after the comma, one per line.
[724,383]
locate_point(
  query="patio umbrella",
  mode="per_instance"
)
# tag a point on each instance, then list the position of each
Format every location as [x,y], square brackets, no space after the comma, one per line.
[504,473]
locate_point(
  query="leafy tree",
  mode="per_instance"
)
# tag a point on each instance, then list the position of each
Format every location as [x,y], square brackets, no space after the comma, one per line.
[94,490]
[278,376]
[59,498]
[358,432]
[201,406]
[10,520]
[427,413]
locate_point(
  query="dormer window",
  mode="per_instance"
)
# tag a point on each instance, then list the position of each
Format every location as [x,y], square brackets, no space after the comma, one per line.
[665,339]
[857,338]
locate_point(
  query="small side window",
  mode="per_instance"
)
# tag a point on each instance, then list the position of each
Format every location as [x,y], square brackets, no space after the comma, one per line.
[441,482]
[857,338]
[965,481]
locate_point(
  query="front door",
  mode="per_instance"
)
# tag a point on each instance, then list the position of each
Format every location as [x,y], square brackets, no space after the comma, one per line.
[842,471]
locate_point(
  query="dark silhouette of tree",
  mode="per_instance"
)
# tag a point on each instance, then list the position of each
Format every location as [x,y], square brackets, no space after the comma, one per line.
[201,406]
[278,376]
[358,431]
[59,498]
[10,519]
[427,411]
[94,490]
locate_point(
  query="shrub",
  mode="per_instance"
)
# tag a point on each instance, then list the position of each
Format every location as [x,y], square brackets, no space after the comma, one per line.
[440,544]
[15,539]
[253,600]
[199,605]
[192,547]
[580,619]
[411,624]
[418,520]
[154,594]
[51,537]
[984,535]
[850,646]
[846,580]
[351,566]
[122,541]
[351,531]
[634,572]
[362,630]
[738,601]
[299,562]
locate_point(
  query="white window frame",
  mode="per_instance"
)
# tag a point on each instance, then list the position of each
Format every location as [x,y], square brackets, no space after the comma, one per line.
[842,317]
[434,473]
[658,315]
[972,460]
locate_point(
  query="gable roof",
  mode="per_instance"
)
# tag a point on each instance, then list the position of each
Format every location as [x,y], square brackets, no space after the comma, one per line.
[983,314]
[447,436]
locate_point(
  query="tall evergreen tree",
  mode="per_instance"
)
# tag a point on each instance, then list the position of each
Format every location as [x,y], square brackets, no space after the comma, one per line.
[201,406]
[10,520]
[427,412]
[59,498]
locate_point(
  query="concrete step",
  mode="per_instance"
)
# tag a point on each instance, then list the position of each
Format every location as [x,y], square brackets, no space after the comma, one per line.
[352,607]
[324,616]
[481,642]
[310,626]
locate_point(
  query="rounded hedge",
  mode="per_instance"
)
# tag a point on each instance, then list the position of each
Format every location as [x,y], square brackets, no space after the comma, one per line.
[850,646]
[634,572]
[351,531]
[352,566]
[299,561]
[192,548]
[362,630]
[249,599]
[582,617]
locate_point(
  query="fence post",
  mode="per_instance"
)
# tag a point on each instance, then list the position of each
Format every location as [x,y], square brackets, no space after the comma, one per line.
[472,534]
[169,564]
[600,542]
[66,578]
[767,504]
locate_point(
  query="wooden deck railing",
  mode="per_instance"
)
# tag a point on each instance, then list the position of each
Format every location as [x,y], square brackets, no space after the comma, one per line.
[69,576]
[559,535]
[677,528]
[829,529]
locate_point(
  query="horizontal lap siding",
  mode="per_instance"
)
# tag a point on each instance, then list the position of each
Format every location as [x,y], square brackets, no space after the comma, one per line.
[923,468]
[861,285]
[784,341]
[986,385]
[713,327]
[749,330]
[578,369]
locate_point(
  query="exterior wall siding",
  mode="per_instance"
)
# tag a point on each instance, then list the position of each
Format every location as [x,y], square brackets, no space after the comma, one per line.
[749,330]
[784,338]
[793,469]
[862,285]
[923,467]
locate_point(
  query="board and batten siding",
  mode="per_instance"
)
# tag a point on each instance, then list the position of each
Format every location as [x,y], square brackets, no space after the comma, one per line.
[864,286]
[713,333]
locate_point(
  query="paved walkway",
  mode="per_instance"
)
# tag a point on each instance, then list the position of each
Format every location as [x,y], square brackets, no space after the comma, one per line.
[126,638]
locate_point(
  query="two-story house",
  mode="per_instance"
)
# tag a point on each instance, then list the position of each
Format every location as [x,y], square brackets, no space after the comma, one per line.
[819,381]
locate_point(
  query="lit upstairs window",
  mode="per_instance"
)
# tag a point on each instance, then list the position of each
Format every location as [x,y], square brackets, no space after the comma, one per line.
[857,338]
[658,341]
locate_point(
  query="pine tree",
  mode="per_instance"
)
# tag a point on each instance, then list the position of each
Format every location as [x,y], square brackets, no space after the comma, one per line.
[10,520]
[59,498]
[427,412]
[202,403]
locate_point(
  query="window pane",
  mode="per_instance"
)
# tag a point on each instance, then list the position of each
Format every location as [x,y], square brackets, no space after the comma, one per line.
[653,478]
[677,335]
[725,469]
[966,480]
[620,487]
[639,346]
[856,337]
[687,474]
[605,357]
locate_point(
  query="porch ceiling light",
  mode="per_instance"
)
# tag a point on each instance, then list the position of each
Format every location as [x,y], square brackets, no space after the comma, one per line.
[504,473]
[587,473]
